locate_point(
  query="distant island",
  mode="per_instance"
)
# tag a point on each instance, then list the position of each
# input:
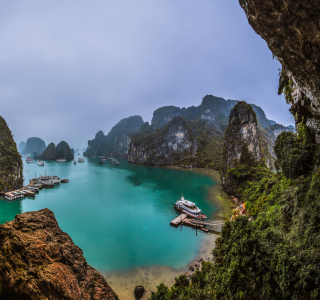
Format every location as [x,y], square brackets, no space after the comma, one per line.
[117,142]
[34,146]
[61,151]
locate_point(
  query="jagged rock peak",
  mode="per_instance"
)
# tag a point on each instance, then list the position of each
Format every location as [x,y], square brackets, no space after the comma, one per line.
[39,261]
[241,139]
[291,30]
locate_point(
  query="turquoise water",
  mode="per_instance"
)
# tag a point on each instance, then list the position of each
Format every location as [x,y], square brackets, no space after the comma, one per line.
[119,215]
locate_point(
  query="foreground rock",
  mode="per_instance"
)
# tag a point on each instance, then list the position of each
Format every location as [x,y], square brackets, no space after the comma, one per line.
[39,261]
[139,291]
[291,30]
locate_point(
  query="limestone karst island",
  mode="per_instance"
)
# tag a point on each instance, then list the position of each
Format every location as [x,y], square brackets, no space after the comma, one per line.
[160,150]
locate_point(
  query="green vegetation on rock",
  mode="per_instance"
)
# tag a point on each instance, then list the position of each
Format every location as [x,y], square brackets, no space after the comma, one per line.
[10,160]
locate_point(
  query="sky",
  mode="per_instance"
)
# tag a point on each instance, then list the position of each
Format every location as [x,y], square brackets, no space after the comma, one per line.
[71,68]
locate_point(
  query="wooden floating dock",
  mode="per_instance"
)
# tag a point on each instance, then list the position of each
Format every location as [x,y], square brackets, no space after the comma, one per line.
[199,224]
[178,220]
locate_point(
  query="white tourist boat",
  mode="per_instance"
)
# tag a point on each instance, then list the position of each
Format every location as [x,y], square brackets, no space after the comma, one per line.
[59,160]
[189,208]
[40,163]
[81,159]
[29,160]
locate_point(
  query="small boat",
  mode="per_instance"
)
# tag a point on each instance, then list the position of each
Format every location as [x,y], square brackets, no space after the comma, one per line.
[75,162]
[189,208]
[40,163]
[81,159]
[59,160]
[10,197]
[29,160]
[100,162]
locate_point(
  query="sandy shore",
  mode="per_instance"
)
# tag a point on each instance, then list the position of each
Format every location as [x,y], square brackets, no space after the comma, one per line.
[124,282]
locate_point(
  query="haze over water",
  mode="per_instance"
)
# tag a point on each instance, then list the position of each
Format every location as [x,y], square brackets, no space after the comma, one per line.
[119,215]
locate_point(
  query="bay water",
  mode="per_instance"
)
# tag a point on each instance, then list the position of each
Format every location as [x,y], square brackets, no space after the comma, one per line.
[119,215]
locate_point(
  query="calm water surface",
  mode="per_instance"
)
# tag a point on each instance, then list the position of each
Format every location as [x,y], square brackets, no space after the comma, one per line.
[119,215]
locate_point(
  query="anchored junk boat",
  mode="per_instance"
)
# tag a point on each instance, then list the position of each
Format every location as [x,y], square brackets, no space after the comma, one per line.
[29,160]
[81,159]
[189,208]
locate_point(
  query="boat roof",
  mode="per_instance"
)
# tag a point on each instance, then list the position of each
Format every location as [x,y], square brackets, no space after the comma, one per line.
[186,202]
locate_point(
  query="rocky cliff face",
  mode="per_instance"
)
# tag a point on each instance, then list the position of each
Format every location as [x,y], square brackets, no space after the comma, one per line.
[242,141]
[34,145]
[164,147]
[117,142]
[39,261]
[291,30]
[10,160]
[21,146]
[272,133]
[50,152]
[63,151]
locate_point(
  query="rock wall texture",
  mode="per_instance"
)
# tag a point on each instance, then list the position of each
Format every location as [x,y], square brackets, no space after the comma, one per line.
[241,137]
[34,145]
[117,142]
[291,30]
[39,261]
[10,160]
[164,147]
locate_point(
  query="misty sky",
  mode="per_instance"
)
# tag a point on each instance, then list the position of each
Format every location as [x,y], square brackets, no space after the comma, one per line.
[71,68]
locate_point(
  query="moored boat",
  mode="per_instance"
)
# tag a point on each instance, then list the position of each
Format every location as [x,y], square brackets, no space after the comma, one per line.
[75,162]
[189,208]
[40,163]
[81,159]
[29,160]
[59,160]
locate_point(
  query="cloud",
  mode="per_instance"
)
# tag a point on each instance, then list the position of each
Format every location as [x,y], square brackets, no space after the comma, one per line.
[69,69]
